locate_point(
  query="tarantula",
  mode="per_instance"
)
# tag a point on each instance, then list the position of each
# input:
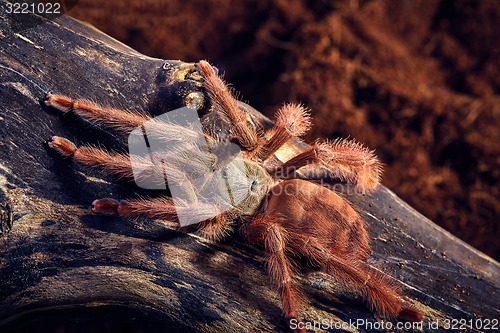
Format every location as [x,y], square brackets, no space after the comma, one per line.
[291,214]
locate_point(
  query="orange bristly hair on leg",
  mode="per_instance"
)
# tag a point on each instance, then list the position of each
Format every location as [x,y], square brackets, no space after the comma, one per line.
[267,230]
[105,206]
[115,163]
[62,145]
[380,294]
[292,120]
[121,120]
[352,162]
[155,208]
[217,228]
[224,102]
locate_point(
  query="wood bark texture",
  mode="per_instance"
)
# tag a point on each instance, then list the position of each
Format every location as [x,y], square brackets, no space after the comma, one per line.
[65,269]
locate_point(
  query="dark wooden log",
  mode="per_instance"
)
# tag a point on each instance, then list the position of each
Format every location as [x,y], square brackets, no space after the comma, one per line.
[64,269]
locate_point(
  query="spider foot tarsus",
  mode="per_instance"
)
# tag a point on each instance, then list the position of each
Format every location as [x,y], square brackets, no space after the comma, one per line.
[105,206]
[63,146]
[59,102]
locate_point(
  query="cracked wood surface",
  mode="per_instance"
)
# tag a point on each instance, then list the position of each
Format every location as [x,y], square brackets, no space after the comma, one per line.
[62,267]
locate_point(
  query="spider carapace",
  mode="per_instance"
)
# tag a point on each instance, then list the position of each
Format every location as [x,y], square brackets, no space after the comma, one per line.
[290,214]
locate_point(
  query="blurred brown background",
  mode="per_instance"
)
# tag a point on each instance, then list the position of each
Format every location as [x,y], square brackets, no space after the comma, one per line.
[417,80]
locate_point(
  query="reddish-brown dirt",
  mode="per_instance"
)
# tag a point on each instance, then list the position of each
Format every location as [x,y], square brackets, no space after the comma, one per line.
[419,81]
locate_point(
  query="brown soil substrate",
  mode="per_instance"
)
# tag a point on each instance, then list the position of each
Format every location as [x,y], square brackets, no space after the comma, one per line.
[419,81]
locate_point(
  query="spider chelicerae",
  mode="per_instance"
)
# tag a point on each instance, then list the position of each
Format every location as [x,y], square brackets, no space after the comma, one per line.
[292,214]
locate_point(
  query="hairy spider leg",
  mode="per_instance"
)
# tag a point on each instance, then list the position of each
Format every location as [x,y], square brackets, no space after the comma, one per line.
[126,121]
[120,120]
[350,161]
[119,164]
[224,102]
[379,293]
[156,208]
[164,208]
[115,163]
[217,228]
[376,291]
[182,169]
[291,120]
[267,230]
[343,159]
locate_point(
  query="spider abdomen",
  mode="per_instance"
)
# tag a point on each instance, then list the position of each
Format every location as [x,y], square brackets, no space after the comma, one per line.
[314,211]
